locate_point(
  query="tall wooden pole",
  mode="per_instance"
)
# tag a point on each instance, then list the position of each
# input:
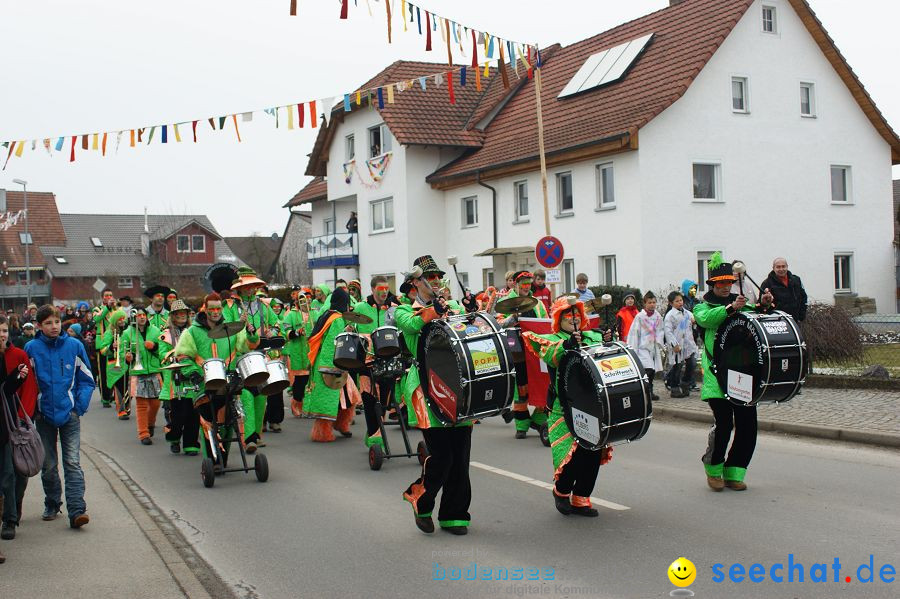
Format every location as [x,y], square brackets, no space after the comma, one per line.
[540,120]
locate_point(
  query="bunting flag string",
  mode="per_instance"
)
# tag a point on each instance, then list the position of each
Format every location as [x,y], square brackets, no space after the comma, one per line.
[376,97]
[10,219]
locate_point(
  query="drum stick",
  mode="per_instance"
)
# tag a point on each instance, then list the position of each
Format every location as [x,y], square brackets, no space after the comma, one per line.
[741,269]
[452,260]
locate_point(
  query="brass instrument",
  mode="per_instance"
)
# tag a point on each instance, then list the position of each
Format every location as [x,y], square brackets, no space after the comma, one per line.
[116,344]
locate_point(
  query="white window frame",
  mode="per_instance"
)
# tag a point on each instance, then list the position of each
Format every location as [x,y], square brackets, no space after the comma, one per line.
[604,261]
[703,257]
[126,283]
[465,224]
[26,238]
[774,19]
[464,277]
[187,248]
[517,198]
[559,209]
[349,148]
[328,226]
[601,170]
[848,184]
[719,188]
[568,274]
[203,244]
[384,136]
[380,204]
[487,277]
[744,82]
[811,86]
[844,275]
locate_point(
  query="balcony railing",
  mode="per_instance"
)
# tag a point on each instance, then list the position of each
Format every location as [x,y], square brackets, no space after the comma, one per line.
[332,251]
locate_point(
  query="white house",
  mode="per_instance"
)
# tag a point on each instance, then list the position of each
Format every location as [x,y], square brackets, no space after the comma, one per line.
[731,125]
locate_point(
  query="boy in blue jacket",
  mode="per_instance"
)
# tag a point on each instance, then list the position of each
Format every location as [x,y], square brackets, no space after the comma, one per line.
[64,378]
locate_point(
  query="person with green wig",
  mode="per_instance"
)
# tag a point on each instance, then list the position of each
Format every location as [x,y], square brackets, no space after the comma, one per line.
[111,347]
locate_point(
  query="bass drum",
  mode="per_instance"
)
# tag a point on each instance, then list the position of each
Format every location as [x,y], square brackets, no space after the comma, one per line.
[466,368]
[605,395]
[760,358]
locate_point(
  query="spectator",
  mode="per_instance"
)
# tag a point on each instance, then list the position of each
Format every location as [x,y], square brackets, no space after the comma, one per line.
[646,338]
[539,289]
[581,288]
[65,396]
[352,224]
[787,289]
[680,341]
[15,331]
[14,378]
[510,284]
[625,316]
[26,336]
[689,293]
[743,286]
[30,313]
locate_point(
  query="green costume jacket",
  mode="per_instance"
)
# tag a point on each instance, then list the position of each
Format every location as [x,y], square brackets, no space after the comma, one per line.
[105,348]
[196,344]
[297,349]
[168,390]
[158,319]
[133,341]
[376,313]
[319,400]
[101,322]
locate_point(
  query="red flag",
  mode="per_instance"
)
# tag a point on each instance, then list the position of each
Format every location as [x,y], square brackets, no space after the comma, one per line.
[344,9]
[313,119]
[194,129]
[427,31]
[72,152]
[474,51]
[293,8]
[450,87]
[300,114]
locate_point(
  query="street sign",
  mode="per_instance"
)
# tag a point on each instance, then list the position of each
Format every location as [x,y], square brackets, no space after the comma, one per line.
[99,285]
[549,252]
[554,275]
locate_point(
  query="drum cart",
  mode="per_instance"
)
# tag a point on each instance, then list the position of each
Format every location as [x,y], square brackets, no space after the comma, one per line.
[377,455]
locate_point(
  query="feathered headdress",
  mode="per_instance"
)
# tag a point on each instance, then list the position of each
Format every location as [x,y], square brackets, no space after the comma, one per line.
[719,270]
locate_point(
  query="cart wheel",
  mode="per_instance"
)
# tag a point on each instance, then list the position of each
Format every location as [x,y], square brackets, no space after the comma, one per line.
[207,473]
[422,451]
[376,457]
[544,432]
[261,465]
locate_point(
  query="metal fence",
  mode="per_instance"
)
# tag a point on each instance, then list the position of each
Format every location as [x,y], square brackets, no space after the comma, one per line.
[880,338]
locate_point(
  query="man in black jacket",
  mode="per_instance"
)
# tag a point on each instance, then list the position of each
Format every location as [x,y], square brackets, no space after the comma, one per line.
[787,288]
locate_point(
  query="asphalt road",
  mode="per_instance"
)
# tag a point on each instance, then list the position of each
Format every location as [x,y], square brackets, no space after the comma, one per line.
[327,526]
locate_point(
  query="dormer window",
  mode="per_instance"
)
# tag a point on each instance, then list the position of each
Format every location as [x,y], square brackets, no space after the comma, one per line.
[60,259]
[95,241]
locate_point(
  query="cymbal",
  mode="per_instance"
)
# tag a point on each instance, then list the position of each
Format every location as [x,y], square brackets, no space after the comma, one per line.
[228,329]
[516,305]
[593,305]
[569,295]
[356,318]
[176,366]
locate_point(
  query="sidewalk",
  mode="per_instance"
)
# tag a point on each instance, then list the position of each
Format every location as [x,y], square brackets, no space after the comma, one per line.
[855,415]
[118,554]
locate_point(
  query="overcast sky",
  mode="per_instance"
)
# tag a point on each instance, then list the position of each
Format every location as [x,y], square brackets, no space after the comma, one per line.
[94,65]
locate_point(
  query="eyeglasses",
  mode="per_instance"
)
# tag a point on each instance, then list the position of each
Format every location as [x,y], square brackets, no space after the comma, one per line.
[382,288]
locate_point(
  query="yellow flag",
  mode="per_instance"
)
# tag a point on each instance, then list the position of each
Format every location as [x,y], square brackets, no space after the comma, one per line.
[19,148]
[390,94]
[403,13]
[94,142]
[177,134]
[290,111]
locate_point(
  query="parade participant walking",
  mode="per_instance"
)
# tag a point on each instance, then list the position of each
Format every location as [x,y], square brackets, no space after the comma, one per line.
[575,468]
[111,348]
[377,307]
[331,407]
[156,311]
[170,298]
[101,317]
[15,378]
[261,323]
[139,342]
[177,392]
[646,337]
[65,383]
[449,447]
[679,328]
[320,302]
[196,344]
[718,304]
[625,316]
[297,325]
[354,288]
[787,289]
[538,419]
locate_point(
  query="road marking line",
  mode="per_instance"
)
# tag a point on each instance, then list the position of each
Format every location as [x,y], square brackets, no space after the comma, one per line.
[539,483]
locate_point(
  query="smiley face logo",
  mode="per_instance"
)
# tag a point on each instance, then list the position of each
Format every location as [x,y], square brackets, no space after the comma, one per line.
[682,572]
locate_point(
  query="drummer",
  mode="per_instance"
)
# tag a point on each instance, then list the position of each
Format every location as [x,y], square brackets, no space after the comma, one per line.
[718,304]
[177,392]
[296,326]
[376,306]
[538,419]
[156,311]
[449,446]
[332,408]
[575,468]
[195,343]
[261,324]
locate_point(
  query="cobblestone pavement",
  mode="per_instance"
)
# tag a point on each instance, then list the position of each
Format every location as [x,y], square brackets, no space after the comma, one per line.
[862,409]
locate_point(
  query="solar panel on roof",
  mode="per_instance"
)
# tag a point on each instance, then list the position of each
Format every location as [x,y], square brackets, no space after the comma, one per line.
[606,67]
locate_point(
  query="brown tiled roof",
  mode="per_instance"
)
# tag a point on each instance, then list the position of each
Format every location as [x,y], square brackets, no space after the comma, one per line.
[607,120]
[425,117]
[685,37]
[44,225]
[317,189]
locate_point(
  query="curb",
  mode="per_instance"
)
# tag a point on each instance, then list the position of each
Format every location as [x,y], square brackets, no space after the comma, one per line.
[176,553]
[816,431]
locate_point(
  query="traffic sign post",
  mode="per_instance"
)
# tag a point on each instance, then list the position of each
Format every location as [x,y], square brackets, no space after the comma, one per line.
[550,253]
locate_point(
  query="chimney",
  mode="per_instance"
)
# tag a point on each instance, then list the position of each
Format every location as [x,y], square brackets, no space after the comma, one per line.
[145,236]
[2,200]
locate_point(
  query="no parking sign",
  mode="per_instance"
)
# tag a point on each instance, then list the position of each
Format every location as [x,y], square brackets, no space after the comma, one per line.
[549,252]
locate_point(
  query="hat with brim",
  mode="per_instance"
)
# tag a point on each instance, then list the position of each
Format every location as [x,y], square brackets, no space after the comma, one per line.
[179,306]
[247,278]
[719,271]
[428,265]
[151,291]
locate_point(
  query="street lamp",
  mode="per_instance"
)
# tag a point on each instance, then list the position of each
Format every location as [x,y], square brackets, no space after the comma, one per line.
[24,185]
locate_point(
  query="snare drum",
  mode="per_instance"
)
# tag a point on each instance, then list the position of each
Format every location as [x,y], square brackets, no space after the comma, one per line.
[466,368]
[386,341]
[252,368]
[214,377]
[760,358]
[604,394]
[349,351]
[391,368]
[278,379]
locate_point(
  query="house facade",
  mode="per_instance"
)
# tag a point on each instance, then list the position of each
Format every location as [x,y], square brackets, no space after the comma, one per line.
[736,126]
